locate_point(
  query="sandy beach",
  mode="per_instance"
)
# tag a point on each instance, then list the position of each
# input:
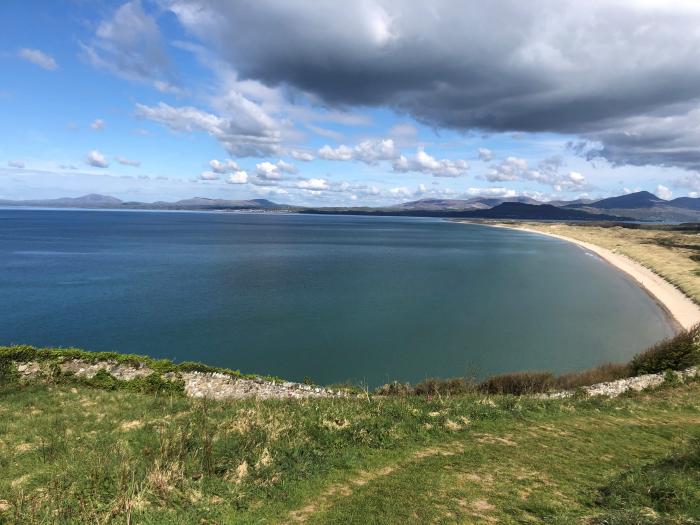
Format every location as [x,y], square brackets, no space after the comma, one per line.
[680,307]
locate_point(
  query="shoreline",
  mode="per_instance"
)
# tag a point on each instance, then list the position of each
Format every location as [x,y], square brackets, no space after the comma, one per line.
[681,310]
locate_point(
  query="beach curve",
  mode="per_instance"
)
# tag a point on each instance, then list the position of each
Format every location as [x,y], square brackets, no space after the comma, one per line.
[680,308]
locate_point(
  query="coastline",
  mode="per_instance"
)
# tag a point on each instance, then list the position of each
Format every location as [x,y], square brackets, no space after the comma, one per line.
[682,311]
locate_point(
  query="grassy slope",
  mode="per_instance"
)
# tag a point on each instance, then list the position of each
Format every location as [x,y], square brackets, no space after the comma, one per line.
[672,254]
[78,454]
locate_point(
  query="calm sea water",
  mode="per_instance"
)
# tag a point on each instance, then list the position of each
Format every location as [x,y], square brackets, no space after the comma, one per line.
[329,297]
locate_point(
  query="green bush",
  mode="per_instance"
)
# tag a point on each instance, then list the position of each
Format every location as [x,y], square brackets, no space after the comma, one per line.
[518,383]
[676,353]
[395,389]
[451,386]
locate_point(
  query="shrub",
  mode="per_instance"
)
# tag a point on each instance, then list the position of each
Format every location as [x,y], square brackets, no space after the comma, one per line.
[600,374]
[676,353]
[452,386]
[518,383]
[395,389]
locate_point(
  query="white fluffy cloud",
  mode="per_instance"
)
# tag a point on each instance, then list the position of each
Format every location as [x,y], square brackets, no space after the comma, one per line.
[485,154]
[39,58]
[250,133]
[512,168]
[401,191]
[209,175]
[96,159]
[127,162]
[286,167]
[504,193]
[97,124]
[422,162]
[313,184]
[663,192]
[367,151]
[303,156]
[129,45]
[218,166]
[238,177]
[15,164]
[268,171]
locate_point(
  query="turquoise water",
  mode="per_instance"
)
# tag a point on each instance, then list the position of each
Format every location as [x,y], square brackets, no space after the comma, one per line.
[329,297]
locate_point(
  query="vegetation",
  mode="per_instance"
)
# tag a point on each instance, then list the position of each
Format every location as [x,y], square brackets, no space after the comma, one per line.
[681,352]
[25,353]
[75,453]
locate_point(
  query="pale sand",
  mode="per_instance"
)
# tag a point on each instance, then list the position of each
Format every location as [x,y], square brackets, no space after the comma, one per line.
[679,306]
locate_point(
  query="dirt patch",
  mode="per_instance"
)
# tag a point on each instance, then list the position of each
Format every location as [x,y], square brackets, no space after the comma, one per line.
[489,439]
[131,425]
[366,476]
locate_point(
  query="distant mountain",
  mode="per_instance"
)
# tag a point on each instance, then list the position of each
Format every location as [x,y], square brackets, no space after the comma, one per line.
[640,199]
[523,211]
[203,202]
[645,206]
[687,203]
[477,203]
[93,200]
[103,201]
[438,204]
[506,210]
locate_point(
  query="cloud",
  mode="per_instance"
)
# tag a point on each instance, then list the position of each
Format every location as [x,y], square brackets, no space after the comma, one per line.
[209,175]
[15,164]
[504,193]
[286,167]
[425,163]
[510,169]
[68,167]
[251,133]
[39,58]
[97,124]
[237,177]
[218,166]
[313,184]
[130,45]
[401,191]
[367,151]
[547,173]
[342,152]
[622,73]
[303,156]
[96,159]
[485,154]
[689,181]
[127,162]
[268,171]
[663,192]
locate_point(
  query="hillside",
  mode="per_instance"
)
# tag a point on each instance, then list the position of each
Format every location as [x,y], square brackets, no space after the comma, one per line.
[73,453]
[80,445]
[645,206]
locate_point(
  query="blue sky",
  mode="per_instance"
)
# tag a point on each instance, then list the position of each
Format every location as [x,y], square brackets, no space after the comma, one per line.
[135,100]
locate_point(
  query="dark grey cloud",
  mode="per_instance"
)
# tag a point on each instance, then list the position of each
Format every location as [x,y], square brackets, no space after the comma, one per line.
[593,69]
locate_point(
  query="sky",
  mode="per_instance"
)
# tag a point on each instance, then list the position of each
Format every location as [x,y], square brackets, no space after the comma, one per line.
[327,103]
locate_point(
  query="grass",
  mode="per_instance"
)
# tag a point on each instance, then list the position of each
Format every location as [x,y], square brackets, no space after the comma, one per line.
[24,353]
[76,453]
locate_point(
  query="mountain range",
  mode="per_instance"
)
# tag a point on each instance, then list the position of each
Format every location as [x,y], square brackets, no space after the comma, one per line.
[642,205]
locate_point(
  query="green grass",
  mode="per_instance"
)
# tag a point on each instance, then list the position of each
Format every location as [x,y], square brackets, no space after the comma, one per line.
[24,353]
[75,453]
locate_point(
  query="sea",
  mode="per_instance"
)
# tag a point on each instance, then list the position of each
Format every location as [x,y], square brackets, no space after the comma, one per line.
[331,299]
